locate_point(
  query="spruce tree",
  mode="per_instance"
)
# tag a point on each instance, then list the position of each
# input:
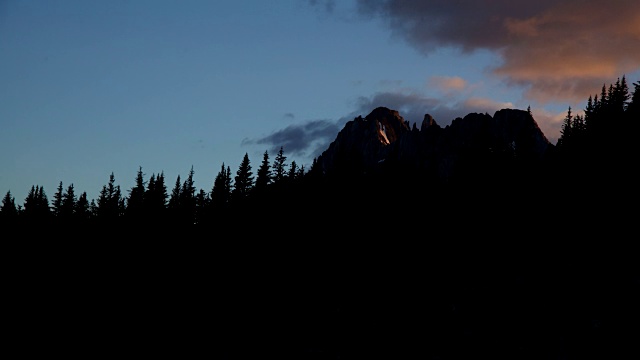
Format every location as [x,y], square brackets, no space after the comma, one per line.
[57,201]
[187,202]
[68,206]
[83,209]
[110,204]
[221,191]
[155,197]
[174,198]
[566,130]
[293,171]
[243,182]
[135,201]
[36,206]
[279,166]
[263,178]
[8,209]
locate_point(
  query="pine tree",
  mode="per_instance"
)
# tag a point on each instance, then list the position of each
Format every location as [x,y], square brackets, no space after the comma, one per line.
[634,104]
[174,198]
[264,173]
[566,130]
[603,98]
[202,207]
[68,206]
[293,170]
[279,166]
[110,204]
[243,182]
[8,210]
[135,201]
[36,205]
[221,191]
[83,210]
[155,198]
[187,202]
[57,201]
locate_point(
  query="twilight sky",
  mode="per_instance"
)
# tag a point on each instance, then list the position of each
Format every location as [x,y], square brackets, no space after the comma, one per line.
[90,88]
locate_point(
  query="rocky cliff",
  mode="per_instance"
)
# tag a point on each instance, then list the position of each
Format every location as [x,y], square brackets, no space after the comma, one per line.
[383,139]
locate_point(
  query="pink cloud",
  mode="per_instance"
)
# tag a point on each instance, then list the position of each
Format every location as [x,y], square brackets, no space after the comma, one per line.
[557,50]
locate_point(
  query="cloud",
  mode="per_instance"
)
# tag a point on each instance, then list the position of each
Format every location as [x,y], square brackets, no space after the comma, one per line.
[447,83]
[557,50]
[303,141]
[412,106]
[484,105]
[306,141]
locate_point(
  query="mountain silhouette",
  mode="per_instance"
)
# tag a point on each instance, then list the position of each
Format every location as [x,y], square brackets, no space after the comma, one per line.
[477,239]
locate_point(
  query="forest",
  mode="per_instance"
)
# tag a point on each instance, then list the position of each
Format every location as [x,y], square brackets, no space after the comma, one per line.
[596,147]
[285,262]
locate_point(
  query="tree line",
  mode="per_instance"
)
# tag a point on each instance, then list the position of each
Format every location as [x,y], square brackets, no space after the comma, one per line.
[593,147]
[150,199]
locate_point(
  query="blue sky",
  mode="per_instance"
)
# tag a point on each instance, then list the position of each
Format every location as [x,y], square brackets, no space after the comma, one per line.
[90,88]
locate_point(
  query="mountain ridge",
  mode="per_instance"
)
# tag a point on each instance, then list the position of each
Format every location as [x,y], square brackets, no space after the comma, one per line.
[383,136]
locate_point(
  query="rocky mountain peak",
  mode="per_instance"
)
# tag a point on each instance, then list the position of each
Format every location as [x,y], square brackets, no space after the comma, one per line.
[384,137]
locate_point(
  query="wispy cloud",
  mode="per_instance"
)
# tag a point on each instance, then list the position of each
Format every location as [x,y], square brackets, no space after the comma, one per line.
[447,84]
[558,50]
[307,140]
[302,141]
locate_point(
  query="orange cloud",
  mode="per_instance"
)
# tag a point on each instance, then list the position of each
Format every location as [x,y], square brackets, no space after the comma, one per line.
[558,50]
[448,83]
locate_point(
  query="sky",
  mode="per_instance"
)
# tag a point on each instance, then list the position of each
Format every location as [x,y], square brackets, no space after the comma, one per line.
[94,88]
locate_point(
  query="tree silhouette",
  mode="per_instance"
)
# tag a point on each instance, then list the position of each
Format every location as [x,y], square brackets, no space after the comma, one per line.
[155,198]
[110,204]
[279,166]
[243,181]
[136,202]
[221,191]
[57,200]
[8,210]
[187,203]
[83,209]
[263,178]
[68,206]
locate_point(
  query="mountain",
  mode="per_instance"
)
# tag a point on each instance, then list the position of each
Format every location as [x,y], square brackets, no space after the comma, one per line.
[476,170]
[383,137]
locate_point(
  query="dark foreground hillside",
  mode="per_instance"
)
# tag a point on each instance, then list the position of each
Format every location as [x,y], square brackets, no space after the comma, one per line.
[513,257]
[365,280]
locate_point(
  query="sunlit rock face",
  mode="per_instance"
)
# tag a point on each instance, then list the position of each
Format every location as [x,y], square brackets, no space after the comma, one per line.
[364,143]
[383,139]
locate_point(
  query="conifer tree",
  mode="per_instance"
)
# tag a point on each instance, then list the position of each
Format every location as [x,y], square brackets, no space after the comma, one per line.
[155,198]
[187,202]
[110,204]
[263,178]
[57,201]
[174,198]
[221,191]
[83,209]
[36,205]
[68,206]
[279,166]
[566,130]
[135,201]
[243,182]
[293,171]
[202,207]
[8,209]
[633,107]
